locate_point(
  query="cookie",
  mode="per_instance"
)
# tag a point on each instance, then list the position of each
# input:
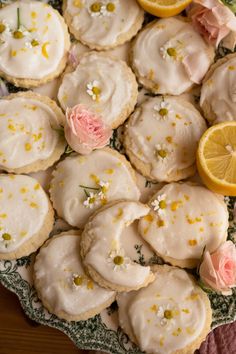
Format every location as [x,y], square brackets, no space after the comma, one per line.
[26,216]
[171,315]
[30,138]
[104,84]
[82,184]
[105,24]
[218,93]
[161,138]
[184,219]
[61,283]
[32,52]
[169,56]
[103,253]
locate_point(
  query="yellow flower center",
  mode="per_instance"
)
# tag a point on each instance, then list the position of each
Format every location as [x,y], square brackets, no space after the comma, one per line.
[96,90]
[110,7]
[168,314]
[118,260]
[163,112]
[34,43]
[6,237]
[18,35]
[96,7]
[162,204]
[2,27]
[92,200]
[78,280]
[162,153]
[171,52]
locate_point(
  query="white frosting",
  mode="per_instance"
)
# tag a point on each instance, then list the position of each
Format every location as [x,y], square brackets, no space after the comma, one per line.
[39,22]
[170,74]
[142,312]
[26,133]
[105,28]
[55,268]
[193,217]
[177,133]
[105,230]
[110,75]
[23,209]
[101,165]
[219,92]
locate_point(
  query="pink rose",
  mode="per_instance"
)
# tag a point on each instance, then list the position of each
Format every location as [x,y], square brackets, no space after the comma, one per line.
[212,19]
[84,130]
[218,270]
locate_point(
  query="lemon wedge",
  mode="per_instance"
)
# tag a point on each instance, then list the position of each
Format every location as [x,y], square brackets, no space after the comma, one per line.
[164,8]
[216,158]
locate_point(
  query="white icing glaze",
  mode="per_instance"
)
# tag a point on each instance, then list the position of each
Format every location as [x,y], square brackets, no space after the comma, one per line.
[111,78]
[142,312]
[219,92]
[55,267]
[18,58]
[193,218]
[105,229]
[169,74]
[26,133]
[23,209]
[101,165]
[106,28]
[177,133]
[50,89]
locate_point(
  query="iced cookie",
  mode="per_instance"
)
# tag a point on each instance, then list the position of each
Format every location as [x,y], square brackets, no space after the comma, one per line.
[218,94]
[184,219]
[34,42]
[161,138]
[26,216]
[104,84]
[169,56]
[171,315]
[30,137]
[103,253]
[82,184]
[103,24]
[61,283]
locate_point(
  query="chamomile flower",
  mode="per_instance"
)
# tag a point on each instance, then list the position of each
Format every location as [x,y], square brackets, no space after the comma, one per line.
[171,51]
[165,315]
[160,204]
[162,110]
[118,260]
[6,239]
[104,188]
[91,200]
[96,9]
[77,280]
[109,8]
[163,151]
[93,89]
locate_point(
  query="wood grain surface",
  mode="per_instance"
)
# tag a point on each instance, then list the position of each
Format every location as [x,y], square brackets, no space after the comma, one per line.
[20,335]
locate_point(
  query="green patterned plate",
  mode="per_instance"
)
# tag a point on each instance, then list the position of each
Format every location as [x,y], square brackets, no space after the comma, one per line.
[102,331]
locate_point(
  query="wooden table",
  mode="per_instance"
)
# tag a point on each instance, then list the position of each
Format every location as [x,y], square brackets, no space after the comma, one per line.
[19,335]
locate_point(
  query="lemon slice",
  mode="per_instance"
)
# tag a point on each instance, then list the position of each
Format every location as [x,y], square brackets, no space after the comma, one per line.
[216,158]
[164,8]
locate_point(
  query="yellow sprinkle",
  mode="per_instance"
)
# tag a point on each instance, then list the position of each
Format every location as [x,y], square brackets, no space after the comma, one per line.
[185,310]
[186,197]
[201,229]
[23,233]
[23,190]
[45,29]
[95,178]
[37,186]
[192,242]
[3,216]
[28,146]
[90,285]
[33,14]
[48,16]
[161,341]
[153,308]
[150,75]
[118,215]
[148,138]
[1,190]
[44,50]
[148,218]
[178,116]
[33,205]
[231,67]
[175,205]
[193,297]
[11,127]
[177,332]
[190,330]
[77,3]
[145,230]
[37,137]
[12,177]
[13,53]
[109,171]
[169,139]
[119,164]
[173,124]
[160,223]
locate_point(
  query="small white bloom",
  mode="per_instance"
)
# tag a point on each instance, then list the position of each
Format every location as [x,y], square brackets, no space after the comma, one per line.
[118,259]
[171,51]
[104,188]
[159,205]
[96,9]
[162,152]
[162,110]
[6,239]
[109,8]
[90,201]
[92,87]
[165,315]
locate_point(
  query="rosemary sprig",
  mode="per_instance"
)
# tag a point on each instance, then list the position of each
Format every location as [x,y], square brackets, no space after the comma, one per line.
[86,193]
[86,187]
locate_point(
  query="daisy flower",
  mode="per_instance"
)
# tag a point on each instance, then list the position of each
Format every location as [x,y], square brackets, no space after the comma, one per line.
[162,110]
[6,239]
[165,314]
[90,201]
[96,9]
[93,89]
[109,8]
[160,204]
[118,260]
